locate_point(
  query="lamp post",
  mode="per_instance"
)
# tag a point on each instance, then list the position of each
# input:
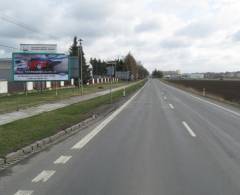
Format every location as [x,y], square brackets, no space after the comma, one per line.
[80,57]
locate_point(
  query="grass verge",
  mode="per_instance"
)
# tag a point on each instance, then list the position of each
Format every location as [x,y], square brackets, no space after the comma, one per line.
[210,96]
[21,101]
[18,134]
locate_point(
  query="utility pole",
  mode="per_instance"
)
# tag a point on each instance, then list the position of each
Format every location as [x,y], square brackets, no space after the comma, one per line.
[111,85]
[113,67]
[81,60]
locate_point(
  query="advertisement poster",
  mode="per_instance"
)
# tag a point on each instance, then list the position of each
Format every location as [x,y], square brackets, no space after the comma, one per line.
[40,67]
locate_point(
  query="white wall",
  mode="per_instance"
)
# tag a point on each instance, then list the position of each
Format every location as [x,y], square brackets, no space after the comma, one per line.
[61,83]
[72,81]
[29,86]
[3,87]
[48,84]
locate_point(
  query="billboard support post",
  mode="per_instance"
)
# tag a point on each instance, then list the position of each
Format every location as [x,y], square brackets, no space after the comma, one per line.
[56,91]
[26,93]
[79,85]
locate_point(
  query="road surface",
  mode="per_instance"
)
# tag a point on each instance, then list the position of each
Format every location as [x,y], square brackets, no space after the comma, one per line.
[164,142]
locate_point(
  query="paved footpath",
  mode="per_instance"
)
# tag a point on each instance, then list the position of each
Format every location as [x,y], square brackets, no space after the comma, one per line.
[35,110]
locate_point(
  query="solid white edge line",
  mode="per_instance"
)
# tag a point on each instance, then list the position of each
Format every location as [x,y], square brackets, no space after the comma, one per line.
[62,159]
[190,131]
[97,129]
[44,176]
[205,101]
[24,192]
[171,106]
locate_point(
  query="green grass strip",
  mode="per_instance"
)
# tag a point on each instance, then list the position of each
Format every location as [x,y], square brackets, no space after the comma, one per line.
[21,101]
[18,134]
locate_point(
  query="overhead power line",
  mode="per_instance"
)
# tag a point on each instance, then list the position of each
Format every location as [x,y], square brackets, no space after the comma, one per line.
[24,26]
[9,20]
[10,47]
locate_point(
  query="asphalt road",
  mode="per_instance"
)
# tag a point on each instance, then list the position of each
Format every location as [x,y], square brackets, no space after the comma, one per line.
[164,142]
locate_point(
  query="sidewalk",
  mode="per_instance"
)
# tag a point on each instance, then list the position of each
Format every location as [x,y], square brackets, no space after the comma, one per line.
[32,111]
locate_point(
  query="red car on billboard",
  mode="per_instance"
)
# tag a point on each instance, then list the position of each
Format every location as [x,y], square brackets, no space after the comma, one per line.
[38,64]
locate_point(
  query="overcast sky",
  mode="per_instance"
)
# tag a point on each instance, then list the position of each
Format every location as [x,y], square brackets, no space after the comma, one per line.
[190,35]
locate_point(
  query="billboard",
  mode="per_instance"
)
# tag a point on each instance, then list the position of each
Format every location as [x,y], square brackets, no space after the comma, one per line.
[40,67]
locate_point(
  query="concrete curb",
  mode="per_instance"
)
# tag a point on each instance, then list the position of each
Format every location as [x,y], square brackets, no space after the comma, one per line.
[37,146]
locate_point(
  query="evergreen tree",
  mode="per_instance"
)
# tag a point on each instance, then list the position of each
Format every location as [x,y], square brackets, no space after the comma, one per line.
[120,65]
[85,68]
[73,50]
[99,67]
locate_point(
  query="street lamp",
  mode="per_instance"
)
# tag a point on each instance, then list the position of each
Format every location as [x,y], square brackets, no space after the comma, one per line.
[80,57]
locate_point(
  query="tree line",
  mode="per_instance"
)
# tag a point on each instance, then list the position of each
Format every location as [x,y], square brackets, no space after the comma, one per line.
[157,74]
[99,67]
[128,63]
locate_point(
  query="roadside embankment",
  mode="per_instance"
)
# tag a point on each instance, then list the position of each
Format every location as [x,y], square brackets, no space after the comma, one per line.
[221,90]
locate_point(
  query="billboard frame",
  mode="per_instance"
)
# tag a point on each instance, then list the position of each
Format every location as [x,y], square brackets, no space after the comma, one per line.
[40,53]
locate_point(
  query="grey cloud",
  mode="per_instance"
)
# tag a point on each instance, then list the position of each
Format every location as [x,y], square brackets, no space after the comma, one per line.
[236,36]
[109,27]
[197,30]
[89,10]
[174,44]
[147,26]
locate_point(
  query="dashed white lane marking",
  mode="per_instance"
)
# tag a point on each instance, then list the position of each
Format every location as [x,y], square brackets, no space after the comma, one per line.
[44,176]
[23,192]
[190,131]
[171,106]
[62,159]
[97,129]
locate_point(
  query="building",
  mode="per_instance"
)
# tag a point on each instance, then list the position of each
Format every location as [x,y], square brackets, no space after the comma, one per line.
[5,68]
[6,75]
[43,48]
[237,75]
[123,75]
[172,74]
[193,76]
[196,76]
